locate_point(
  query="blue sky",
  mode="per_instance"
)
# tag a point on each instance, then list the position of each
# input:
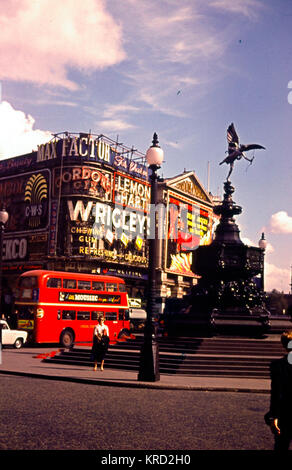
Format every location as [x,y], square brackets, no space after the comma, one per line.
[183,68]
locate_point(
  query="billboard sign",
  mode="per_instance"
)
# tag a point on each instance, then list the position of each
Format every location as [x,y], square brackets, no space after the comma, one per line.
[83,181]
[189,225]
[113,231]
[93,149]
[26,198]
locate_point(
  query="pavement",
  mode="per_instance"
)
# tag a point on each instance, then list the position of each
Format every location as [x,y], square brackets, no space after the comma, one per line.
[29,362]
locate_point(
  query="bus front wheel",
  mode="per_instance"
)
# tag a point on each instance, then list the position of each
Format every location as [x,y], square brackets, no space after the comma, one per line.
[67,338]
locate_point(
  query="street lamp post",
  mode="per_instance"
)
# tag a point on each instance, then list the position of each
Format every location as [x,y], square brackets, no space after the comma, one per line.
[149,359]
[263,245]
[3,219]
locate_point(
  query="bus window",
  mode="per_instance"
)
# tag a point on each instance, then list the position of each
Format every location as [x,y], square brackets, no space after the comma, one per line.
[84,285]
[68,315]
[28,282]
[69,283]
[123,314]
[111,316]
[122,287]
[54,282]
[95,314]
[97,285]
[83,315]
[111,287]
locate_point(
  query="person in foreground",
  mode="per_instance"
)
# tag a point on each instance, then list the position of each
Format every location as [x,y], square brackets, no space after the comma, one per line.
[100,343]
[279,417]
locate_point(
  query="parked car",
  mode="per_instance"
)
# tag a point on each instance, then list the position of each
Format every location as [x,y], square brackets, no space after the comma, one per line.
[10,337]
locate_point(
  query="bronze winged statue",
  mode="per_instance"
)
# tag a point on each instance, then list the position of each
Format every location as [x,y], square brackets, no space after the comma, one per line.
[235,149]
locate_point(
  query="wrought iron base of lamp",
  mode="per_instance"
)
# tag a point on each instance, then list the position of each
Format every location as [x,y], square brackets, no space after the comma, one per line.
[149,360]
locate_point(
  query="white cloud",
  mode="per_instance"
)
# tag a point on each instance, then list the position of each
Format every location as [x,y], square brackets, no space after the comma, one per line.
[270,248]
[115,125]
[17,134]
[158,103]
[247,241]
[40,41]
[276,278]
[248,8]
[175,145]
[280,222]
[179,34]
[115,117]
[113,110]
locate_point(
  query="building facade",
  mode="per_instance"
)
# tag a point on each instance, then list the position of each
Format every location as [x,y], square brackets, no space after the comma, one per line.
[189,222]
[81,203]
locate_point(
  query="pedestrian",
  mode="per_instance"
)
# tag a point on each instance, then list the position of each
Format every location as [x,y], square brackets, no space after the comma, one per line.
[100,342]
[279,417]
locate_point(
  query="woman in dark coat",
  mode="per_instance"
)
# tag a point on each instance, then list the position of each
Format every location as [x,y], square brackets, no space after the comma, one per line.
[100,343]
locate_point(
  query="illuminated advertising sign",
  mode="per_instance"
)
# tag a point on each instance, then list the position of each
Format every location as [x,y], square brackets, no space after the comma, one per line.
[26,198]
[113,231]
[131,192]
[86,146]
[107,232]
[31,247]
[14,249]
[18,163]
[130,166]
[52,246]
[80,148]
[83,180]
[94,149]
[189,225]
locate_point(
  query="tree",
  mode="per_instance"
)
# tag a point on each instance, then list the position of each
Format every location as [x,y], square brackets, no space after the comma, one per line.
[277,303]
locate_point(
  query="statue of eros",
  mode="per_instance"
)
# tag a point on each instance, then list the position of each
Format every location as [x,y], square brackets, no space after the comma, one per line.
[235,149]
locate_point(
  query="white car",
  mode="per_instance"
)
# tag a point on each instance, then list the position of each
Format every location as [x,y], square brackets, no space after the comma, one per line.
[10,337]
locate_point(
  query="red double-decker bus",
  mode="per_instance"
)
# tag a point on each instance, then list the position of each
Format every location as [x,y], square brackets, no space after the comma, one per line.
[63,307]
